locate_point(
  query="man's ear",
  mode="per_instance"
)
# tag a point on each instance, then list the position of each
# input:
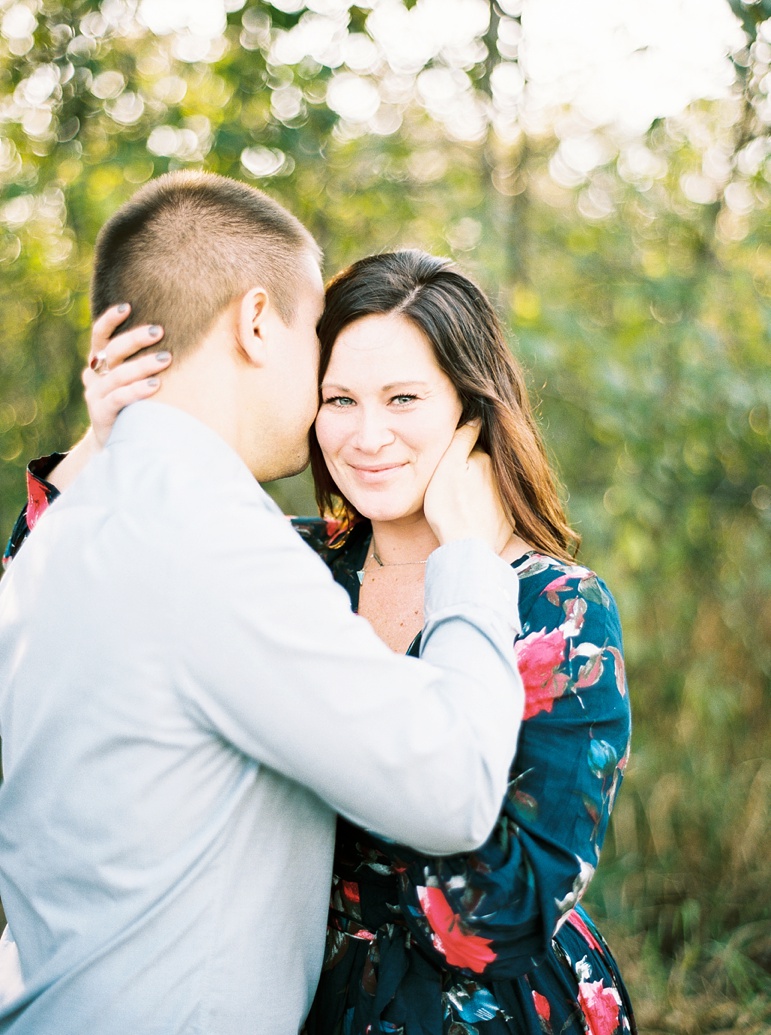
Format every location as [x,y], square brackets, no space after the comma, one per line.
[254,317]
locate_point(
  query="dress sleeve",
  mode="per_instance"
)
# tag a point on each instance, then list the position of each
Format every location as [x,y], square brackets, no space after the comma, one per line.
[40,493]
[494,912]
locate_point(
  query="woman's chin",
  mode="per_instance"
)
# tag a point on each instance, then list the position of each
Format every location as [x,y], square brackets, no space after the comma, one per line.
[382,512]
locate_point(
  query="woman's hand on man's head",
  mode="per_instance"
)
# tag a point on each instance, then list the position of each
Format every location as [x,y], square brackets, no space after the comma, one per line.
[111,383]
[113,379]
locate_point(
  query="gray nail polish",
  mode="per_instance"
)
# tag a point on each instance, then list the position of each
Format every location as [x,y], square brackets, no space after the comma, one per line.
[154,330]
[153,382]
[163,357]
[123,307]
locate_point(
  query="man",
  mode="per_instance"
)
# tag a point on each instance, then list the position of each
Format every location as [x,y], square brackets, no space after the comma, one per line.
[185,698]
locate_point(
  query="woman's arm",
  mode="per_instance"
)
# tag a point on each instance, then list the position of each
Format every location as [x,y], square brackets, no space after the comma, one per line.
[494,912]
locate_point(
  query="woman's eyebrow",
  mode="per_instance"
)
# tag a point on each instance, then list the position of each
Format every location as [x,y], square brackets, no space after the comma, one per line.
[390,387]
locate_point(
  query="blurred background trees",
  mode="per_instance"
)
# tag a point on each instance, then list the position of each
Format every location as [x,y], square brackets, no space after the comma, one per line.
[625,237]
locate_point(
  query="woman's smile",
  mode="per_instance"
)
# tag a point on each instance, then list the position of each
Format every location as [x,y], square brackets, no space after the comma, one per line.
[374,475]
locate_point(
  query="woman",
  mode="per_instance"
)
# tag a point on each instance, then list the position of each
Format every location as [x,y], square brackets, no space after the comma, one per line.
[495,941]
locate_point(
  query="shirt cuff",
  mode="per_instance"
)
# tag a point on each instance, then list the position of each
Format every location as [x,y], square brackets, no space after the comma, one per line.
[467,574]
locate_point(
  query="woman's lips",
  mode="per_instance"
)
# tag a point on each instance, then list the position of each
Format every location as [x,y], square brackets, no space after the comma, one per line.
[373,475]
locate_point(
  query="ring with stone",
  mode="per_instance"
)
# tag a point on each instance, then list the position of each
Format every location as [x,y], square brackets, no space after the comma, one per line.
[99,363]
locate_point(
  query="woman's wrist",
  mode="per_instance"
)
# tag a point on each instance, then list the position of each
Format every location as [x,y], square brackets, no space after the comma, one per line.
[65,472]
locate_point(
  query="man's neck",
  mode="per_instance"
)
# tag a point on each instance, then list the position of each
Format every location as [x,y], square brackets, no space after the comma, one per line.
[203,390]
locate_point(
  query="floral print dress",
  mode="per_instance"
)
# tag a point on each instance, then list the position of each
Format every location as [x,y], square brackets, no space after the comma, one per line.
[495,942]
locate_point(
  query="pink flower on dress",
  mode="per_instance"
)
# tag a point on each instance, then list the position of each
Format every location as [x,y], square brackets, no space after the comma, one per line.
[576,920]
[618,668]
[539,657]
[459,948]
[552,591]
[600,1006]
[37,501]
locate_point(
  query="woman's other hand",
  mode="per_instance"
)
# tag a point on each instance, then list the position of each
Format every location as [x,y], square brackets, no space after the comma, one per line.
[462,499]
[112,378]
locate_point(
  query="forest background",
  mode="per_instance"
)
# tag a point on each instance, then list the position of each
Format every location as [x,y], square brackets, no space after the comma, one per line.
[631,261]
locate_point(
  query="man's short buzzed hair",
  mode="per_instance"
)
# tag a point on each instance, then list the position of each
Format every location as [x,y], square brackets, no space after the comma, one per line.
[188,244]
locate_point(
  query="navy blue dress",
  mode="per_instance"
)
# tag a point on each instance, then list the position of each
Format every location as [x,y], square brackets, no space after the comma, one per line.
[495,942]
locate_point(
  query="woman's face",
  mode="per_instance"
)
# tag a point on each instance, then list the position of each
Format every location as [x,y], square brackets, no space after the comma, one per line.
[388,413]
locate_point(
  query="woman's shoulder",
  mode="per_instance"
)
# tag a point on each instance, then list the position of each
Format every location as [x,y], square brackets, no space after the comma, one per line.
[552,589]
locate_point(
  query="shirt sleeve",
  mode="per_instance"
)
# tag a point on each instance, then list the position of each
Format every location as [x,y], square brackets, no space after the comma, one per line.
[40,493]
[495,911]
[279,666]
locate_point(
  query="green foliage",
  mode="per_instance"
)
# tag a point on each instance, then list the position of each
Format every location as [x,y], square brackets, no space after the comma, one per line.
[639,298]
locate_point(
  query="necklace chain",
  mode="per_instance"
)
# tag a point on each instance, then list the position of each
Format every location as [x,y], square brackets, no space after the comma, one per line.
[395,564]
[382,564]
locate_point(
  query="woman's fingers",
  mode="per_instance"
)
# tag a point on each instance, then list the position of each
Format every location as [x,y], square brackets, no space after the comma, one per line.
[102,385]
[106,394]
[104,327]
[107,352]
[123,397]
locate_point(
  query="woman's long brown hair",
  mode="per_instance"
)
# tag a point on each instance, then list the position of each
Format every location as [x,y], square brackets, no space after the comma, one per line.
[469,345]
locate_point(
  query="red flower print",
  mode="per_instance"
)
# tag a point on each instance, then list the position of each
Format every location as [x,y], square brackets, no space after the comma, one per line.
[459,948]
[577,921]
[350,890]
[539,657]
[542,1007]
[333,528]
[600,1006]
[37,501]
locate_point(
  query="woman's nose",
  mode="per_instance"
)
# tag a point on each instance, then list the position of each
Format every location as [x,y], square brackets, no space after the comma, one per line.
[372,432]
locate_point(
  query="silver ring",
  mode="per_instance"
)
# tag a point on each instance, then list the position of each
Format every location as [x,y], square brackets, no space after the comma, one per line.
[99,363]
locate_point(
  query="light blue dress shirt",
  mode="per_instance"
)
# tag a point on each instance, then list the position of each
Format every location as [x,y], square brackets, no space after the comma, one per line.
[186,701]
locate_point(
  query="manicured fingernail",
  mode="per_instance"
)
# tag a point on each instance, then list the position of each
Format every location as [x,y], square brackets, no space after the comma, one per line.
[154,330]
[163,357]
[153,382]
[123,307]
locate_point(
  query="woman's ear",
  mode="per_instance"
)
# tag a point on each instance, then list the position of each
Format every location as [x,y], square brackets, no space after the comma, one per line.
[253,322]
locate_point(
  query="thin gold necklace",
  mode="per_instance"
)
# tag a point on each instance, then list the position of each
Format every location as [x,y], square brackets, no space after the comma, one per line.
[382,564]
[399,564]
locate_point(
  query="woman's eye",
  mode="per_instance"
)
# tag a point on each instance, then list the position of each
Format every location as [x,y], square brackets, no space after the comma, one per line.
[338,400]
[403,400]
